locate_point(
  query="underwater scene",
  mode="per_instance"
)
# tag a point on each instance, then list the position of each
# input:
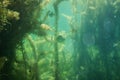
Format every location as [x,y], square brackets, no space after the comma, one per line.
[59,39]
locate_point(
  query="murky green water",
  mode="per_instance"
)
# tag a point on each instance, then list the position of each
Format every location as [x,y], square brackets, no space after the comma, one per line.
[60,40]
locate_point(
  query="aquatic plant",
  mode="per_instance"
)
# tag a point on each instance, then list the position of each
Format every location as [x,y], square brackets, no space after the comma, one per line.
[2,62]
[6,14]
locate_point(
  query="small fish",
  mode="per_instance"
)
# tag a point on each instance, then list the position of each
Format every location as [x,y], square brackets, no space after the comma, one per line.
[60,38]
[82,68]
[69,18]
[2,62]
[116,44]
[45,27]
[116,2]
[44,3]
[83,13]
[51,14]
[92,8]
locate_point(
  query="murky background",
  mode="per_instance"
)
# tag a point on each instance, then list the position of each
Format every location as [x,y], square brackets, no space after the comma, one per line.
[59,39]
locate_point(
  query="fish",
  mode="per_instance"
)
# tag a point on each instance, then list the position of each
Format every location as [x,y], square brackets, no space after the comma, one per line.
[45,27]
[2,62]
[92,8]
[116,44]
[69,18]
[51,14]
[44,3]
[60,38]
[83,13]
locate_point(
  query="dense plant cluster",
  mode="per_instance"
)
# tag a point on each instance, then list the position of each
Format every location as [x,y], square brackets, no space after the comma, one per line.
[6,14]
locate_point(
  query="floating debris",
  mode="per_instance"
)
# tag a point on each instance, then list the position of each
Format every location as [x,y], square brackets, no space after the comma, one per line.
[92,8]
[83,13]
